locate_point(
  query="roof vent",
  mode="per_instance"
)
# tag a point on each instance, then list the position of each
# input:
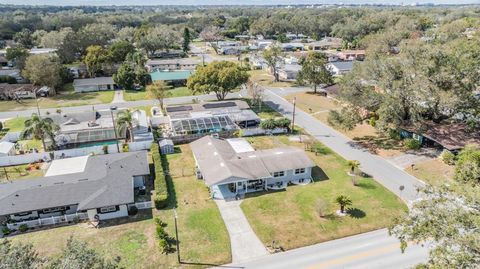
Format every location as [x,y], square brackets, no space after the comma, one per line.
[83,179]
[58,183]
[16,195]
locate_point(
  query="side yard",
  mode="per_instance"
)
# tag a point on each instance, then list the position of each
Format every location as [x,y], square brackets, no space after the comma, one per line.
[129,95]
[291,217]
[203,236]
[265,79]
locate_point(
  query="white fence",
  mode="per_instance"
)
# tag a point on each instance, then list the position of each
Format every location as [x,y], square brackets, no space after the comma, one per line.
[67,153]
[48,221]
[142,205]
[261,131]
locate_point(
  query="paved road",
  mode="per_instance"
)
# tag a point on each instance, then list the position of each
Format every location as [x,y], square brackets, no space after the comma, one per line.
[373,250]
[244,242]
[383,171]
[174,100]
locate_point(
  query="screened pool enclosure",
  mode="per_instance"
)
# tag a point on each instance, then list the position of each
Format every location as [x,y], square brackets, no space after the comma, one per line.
[202,125]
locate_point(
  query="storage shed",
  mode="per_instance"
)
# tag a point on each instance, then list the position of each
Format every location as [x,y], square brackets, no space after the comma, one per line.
[166,146]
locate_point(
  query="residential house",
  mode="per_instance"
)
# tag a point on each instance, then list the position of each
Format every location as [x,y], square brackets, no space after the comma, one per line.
[17,91]
[189,122]
[232,167]
[292,46]
[232,50]
[326,43]
[351,55]
[169,54]
[340,68]
[14,73]
[289,72]
[94,84]
[96,188]
[452,136]
[7,149]
[260,44]
[257,62]
[173,76]
[172,64]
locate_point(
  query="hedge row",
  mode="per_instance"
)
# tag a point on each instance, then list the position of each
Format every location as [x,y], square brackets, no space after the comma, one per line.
[161,191]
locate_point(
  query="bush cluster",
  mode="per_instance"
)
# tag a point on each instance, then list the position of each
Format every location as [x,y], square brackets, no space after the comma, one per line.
[448,157]
[161,192]
[271,124]
[164,241]
[411,143]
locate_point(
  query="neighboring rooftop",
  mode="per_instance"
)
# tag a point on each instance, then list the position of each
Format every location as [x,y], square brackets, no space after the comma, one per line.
[220,163]
[93,81]
[6,147]
[106,180]
[171,75]
[452,136]
[343,66]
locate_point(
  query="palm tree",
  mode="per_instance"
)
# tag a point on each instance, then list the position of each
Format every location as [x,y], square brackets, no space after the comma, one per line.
[343,201]
[354,164]
[125,120]
[40,128]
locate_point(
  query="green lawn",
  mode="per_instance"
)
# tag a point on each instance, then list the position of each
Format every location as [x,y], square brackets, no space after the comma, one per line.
[15,124]
[434,171]
[262,77]
[63,98]
[129,95]
[203,235]
[290,217]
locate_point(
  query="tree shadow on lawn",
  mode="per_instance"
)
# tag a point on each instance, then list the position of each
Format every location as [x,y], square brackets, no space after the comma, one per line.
[356,213]
[374,143]
[365,184]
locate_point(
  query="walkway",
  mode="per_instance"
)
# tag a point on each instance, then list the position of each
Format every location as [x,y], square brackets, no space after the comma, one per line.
[244,242]
[372,250]
[118,97]
[382,170]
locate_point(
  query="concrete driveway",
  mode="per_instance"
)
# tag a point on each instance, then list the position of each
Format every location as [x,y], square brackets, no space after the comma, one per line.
[244,242]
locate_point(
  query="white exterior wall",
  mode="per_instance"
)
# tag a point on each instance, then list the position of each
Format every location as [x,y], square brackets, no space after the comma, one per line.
[122,212]
[290,175]
[34,214]
[72,210]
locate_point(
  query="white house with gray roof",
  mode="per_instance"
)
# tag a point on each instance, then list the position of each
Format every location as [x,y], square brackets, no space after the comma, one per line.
[97,187]
[94,84]
[232,167]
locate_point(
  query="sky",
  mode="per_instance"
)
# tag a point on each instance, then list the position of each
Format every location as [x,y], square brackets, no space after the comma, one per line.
[225,2]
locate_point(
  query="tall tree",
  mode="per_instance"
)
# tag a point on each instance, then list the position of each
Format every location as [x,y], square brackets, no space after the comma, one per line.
[186,40]
[18,55]
[24,38]
[159,90]
[40,128]
[218,77]
[125,76]
[446,219]
[126,121]
[119,50]
[44,70]
[94,59]
[467,166]
[314,71]
[273,56]
[19,255]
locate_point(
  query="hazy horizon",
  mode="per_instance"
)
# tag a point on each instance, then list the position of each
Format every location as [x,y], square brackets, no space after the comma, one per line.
[223,2]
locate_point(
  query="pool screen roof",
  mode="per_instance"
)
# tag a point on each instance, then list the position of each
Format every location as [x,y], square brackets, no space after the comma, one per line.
[205,124]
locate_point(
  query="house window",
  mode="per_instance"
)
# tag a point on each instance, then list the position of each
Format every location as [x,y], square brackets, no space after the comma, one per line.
[299,171]
[55,209]
[107,209]
[279,174]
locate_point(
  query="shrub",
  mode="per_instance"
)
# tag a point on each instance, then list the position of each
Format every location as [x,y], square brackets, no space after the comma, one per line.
[164,241]
[105,149]
[411,143]
[6,231]
[372,121]
[23,228]
[282,123]
[132,211]
[164,245]
[125,147]
[1,126]
[394,134]
[448,157]
[268,124]
[161,192]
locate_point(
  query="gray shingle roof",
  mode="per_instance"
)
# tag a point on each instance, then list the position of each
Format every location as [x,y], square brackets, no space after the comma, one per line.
[220,164]
[107,180]
[93,81]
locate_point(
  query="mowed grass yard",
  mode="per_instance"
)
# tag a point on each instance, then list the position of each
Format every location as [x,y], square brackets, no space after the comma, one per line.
[290,217]
[365,134]
[203,235]
[434,171]
[65,97]
[129,95]
[263,78]
[18,172]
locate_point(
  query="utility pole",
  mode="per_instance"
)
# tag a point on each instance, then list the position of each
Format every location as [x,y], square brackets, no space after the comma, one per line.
[293,117]
[6,173]
[112,108]
[176,235]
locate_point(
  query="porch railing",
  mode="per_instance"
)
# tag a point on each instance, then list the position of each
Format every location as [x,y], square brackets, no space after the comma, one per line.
[48,221]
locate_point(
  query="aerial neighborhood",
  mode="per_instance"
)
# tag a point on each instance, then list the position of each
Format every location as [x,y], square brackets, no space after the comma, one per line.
[262,136]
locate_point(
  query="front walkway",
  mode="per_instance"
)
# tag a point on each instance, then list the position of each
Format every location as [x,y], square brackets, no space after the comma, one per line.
[244,242]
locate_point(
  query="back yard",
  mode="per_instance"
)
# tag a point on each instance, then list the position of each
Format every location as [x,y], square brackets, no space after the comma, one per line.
[203,236]
[143,95]
[291,217]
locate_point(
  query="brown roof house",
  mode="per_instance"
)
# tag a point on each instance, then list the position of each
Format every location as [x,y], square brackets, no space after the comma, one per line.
[231,167]
[451,136]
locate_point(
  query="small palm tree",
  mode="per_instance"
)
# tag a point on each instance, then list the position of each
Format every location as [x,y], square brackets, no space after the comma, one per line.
[354,164]
[125,120]
[343,201]
[40,128]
